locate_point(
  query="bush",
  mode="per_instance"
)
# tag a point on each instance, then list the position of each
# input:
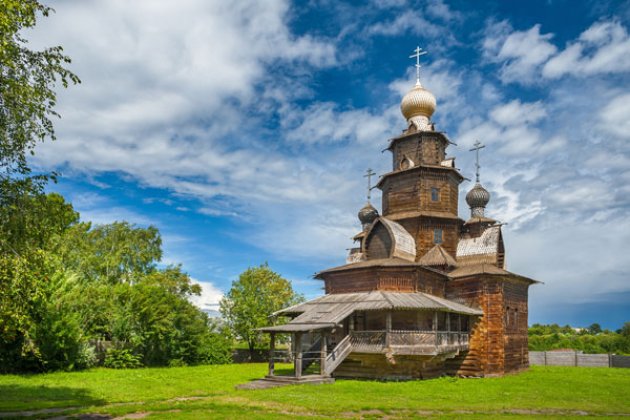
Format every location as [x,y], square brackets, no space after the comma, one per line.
[121,359]
[87,357]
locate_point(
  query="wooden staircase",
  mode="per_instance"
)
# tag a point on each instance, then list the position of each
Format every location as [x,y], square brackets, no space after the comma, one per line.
[337,355]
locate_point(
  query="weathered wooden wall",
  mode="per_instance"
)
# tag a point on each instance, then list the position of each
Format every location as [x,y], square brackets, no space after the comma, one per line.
[379,366]
[392,279]
[498,341]
[515,324]
[421,148]
[379,243]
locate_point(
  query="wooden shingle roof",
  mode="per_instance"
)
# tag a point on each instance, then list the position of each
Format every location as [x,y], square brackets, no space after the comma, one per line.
[488,269]
[437,256]
[487,243]
[336,307]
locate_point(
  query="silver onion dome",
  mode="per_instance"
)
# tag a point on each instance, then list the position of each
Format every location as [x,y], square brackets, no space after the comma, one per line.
[367,215]
[477,199]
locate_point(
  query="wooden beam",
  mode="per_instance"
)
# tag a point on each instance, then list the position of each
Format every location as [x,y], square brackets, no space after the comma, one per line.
[298,355]
[388,327]
[435,327]
[272,351]
[323,353]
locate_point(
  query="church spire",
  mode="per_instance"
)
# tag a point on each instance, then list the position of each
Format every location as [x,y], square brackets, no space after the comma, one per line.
[478,197]
[418,104]
[417,53]
[368,213]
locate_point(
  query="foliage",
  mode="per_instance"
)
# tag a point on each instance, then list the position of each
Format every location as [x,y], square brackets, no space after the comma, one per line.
[550,337]
[209,392]
[121,359]
[27,81]
[253,298]
[113,253]
[72,283]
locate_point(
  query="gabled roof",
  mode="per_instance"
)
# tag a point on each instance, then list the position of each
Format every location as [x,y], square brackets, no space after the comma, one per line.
[438,256]
[487,243]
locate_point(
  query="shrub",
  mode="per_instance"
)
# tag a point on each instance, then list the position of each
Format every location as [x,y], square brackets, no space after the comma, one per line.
[121,359]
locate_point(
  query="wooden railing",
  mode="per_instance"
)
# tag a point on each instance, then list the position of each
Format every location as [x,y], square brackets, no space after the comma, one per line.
[412,342]
[368,340]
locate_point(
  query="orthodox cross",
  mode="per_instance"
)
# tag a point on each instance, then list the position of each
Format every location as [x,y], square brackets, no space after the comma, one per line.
[369,174]
[418,52]
[478,146]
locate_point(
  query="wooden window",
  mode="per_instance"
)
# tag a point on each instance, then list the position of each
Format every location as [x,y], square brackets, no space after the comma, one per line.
[435,194]
[437,236]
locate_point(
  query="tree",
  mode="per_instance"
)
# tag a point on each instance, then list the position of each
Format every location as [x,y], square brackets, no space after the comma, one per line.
[116,252]
[594,328]
[258,293]
[27,81]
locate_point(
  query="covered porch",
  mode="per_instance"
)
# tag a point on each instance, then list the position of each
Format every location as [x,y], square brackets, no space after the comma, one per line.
[328,329]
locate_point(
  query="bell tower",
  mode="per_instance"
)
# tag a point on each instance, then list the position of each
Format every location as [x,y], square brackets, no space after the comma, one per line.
[421,191]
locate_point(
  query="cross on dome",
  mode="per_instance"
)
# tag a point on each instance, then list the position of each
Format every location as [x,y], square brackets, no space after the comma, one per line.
[476,149]
[417,53]
[369,174]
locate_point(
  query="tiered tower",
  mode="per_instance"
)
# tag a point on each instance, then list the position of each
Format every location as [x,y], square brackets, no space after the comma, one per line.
[421,192]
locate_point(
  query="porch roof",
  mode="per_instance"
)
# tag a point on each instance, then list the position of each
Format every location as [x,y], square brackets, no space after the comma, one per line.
[297,327]
[333,308]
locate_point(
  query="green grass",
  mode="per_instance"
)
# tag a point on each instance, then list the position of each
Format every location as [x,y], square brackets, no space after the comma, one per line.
[208,392]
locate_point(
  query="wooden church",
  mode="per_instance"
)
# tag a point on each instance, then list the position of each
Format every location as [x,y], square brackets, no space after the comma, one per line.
[424,293]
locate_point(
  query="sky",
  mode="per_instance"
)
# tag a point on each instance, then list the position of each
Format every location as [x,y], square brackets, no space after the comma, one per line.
[242,130]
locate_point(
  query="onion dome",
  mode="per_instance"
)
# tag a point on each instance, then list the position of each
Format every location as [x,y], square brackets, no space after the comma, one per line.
[417,106]
[477,199]
[367,215]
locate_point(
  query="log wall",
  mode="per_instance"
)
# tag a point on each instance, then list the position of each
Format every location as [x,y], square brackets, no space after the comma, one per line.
[380,366]
[391,279]
[421,148]
[498,341]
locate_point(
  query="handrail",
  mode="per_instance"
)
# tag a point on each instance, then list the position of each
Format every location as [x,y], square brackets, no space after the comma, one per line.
[338,354]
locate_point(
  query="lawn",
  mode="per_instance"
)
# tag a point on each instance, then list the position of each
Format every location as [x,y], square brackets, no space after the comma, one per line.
[208,392]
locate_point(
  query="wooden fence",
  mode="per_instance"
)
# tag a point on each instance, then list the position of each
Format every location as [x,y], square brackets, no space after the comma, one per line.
[574,358]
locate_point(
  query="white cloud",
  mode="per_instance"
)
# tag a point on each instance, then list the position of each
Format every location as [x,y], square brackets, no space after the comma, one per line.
[615,117]
[602,48]
[527,55]
[210,295]
[515,112]
[521,52]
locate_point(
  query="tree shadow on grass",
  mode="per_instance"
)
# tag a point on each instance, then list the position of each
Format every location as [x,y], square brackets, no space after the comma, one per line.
[18,398]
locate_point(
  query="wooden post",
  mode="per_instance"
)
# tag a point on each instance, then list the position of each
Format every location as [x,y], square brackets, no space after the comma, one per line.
[388,327]
[435,325]
[351,323]
[459,329]
[448,328]
[272,351]
[323,353]
[298,354]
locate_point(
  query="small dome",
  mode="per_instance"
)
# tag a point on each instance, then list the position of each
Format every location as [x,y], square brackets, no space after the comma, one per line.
[478,197]
[367,214]
[418,102]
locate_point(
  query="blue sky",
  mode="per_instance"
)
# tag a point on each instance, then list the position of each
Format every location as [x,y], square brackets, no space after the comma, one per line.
[242,130]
